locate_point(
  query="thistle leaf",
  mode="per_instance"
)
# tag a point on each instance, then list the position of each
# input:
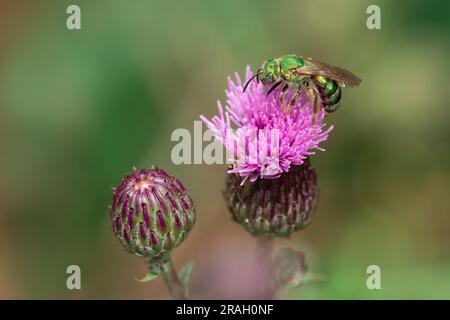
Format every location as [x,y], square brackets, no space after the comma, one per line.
[312,277]
[148,277]
[289,268]
[185,273]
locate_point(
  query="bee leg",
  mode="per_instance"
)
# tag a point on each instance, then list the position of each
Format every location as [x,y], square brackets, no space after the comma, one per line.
[313,96]
[293,100]
[283,94]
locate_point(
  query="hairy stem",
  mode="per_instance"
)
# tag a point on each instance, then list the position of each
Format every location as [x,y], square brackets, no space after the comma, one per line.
[264,250]
[165,266]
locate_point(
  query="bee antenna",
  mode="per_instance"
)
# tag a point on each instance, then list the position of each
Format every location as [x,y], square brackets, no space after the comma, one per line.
[250,80]
[274,87]
[258,72]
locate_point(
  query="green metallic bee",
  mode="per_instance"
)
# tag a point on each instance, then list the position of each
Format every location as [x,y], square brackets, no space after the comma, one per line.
[321,82]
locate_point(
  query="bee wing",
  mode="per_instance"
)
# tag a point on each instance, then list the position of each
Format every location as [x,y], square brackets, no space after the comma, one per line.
[341,76]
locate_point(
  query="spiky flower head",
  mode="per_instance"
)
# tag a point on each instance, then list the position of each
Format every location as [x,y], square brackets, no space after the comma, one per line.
[261,138]
[270,187]
[151,212]
[273,207]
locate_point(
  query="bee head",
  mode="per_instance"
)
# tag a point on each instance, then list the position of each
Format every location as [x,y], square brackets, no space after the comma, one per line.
[269,72]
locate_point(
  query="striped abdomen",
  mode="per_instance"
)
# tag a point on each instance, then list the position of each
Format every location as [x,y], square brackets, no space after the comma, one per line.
[330,93]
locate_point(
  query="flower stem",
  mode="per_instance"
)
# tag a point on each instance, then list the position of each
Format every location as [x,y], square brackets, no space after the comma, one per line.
[173,283]
[264,250]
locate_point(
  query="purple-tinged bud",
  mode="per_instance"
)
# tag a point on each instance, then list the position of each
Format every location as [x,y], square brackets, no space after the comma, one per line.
[154,238]
[143,230]
[176,220]
[124,209]
[161,221]
[117,224]
[126,234]
[274,207]
[145,215]
[171,201]
[130,217]
[146,211]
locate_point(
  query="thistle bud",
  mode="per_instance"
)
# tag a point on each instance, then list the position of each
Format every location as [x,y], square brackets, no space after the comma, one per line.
[151,212]
[273,207]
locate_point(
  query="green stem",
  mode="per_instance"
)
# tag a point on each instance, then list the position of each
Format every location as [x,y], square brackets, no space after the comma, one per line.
[264,250]
[165,266]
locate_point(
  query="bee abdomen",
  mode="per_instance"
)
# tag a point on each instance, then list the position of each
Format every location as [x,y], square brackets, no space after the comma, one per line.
[330,93]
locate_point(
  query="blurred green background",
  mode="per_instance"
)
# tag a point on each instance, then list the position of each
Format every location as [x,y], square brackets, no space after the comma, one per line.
[79,108]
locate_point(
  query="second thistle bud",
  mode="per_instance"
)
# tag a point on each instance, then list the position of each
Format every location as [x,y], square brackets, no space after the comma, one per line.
[274,207]
[151,212]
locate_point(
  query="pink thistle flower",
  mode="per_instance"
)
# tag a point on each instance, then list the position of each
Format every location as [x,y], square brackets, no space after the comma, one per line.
[266,142]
